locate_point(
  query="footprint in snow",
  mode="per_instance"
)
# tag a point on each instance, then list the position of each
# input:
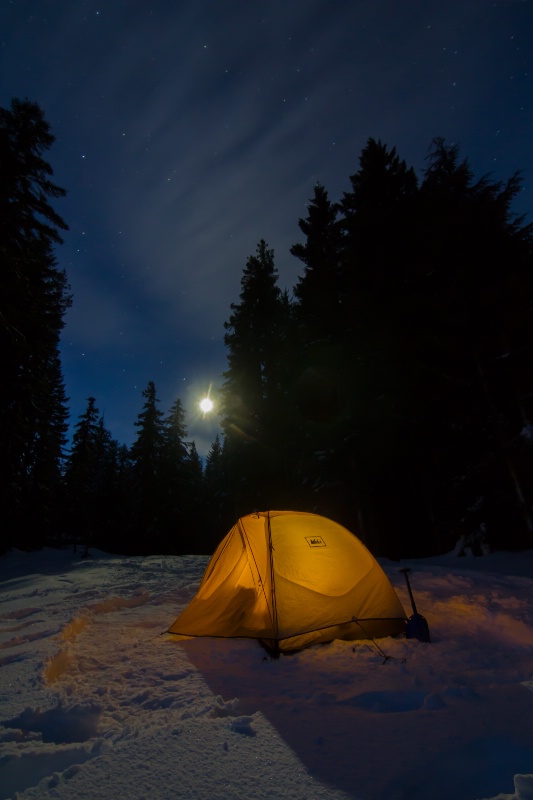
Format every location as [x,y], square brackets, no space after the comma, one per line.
[243,725]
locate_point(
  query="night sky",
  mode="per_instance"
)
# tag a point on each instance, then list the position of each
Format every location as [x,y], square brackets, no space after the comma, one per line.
[188,130]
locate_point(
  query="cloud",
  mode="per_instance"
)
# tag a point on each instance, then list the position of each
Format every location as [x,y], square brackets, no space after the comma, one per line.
[208,142]
[186,132]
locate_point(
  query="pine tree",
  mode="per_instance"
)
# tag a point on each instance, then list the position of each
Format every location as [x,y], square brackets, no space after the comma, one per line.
[251,337]
[221,511]
[318,364]
[96,496]
[375,218]
[33,300]
[110,503]
[197,517]
[81,482]
[175,436]
[255,339]
[148,485]
[195,466]
[41,491]
[175,478]
[118,499]
[214,471]
[318,290]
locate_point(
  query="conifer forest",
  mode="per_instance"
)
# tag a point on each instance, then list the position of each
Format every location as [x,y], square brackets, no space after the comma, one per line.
[391,389]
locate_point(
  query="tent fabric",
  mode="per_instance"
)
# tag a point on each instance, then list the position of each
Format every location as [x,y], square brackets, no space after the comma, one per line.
[290,579]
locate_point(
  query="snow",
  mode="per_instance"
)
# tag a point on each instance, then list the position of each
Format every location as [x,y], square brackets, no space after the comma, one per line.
[97,702]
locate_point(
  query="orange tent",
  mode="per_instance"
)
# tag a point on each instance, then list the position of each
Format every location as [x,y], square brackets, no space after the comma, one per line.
[290,579]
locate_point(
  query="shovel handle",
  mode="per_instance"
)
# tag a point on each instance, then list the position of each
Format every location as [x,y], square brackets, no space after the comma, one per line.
[405,570]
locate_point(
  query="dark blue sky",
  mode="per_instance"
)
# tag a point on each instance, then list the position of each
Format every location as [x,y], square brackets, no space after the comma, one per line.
[186,131]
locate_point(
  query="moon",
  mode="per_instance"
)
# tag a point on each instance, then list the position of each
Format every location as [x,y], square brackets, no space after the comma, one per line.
[206,405]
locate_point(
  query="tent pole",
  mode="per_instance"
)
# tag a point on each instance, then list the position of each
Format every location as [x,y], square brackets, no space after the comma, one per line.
[275,649]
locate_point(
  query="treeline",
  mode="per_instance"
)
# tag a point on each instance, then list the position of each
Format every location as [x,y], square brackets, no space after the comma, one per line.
[391,389]
[149,498]
[394,392]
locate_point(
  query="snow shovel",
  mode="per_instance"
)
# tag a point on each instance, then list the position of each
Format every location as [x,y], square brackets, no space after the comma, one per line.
[417,627]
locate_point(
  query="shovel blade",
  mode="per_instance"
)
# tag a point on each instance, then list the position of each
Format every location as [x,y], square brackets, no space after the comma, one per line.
[417,628]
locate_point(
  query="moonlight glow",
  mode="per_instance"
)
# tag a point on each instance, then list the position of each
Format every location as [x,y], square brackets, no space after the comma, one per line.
[206,405]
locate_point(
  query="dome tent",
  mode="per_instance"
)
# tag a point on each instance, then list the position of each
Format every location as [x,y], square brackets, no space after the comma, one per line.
[290,579]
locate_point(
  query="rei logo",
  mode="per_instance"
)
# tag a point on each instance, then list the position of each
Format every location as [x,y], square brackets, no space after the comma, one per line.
[315,541]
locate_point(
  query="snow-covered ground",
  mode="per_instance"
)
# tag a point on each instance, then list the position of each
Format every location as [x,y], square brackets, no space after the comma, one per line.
[96,703]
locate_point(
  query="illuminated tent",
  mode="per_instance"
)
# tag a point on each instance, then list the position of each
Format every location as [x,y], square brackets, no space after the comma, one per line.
[290,579]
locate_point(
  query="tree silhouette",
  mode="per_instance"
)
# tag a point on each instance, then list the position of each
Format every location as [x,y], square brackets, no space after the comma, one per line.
[221,512]
[147,455]
[253,381]
[318,292]
[478,291]
[175,478]
[33,300]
